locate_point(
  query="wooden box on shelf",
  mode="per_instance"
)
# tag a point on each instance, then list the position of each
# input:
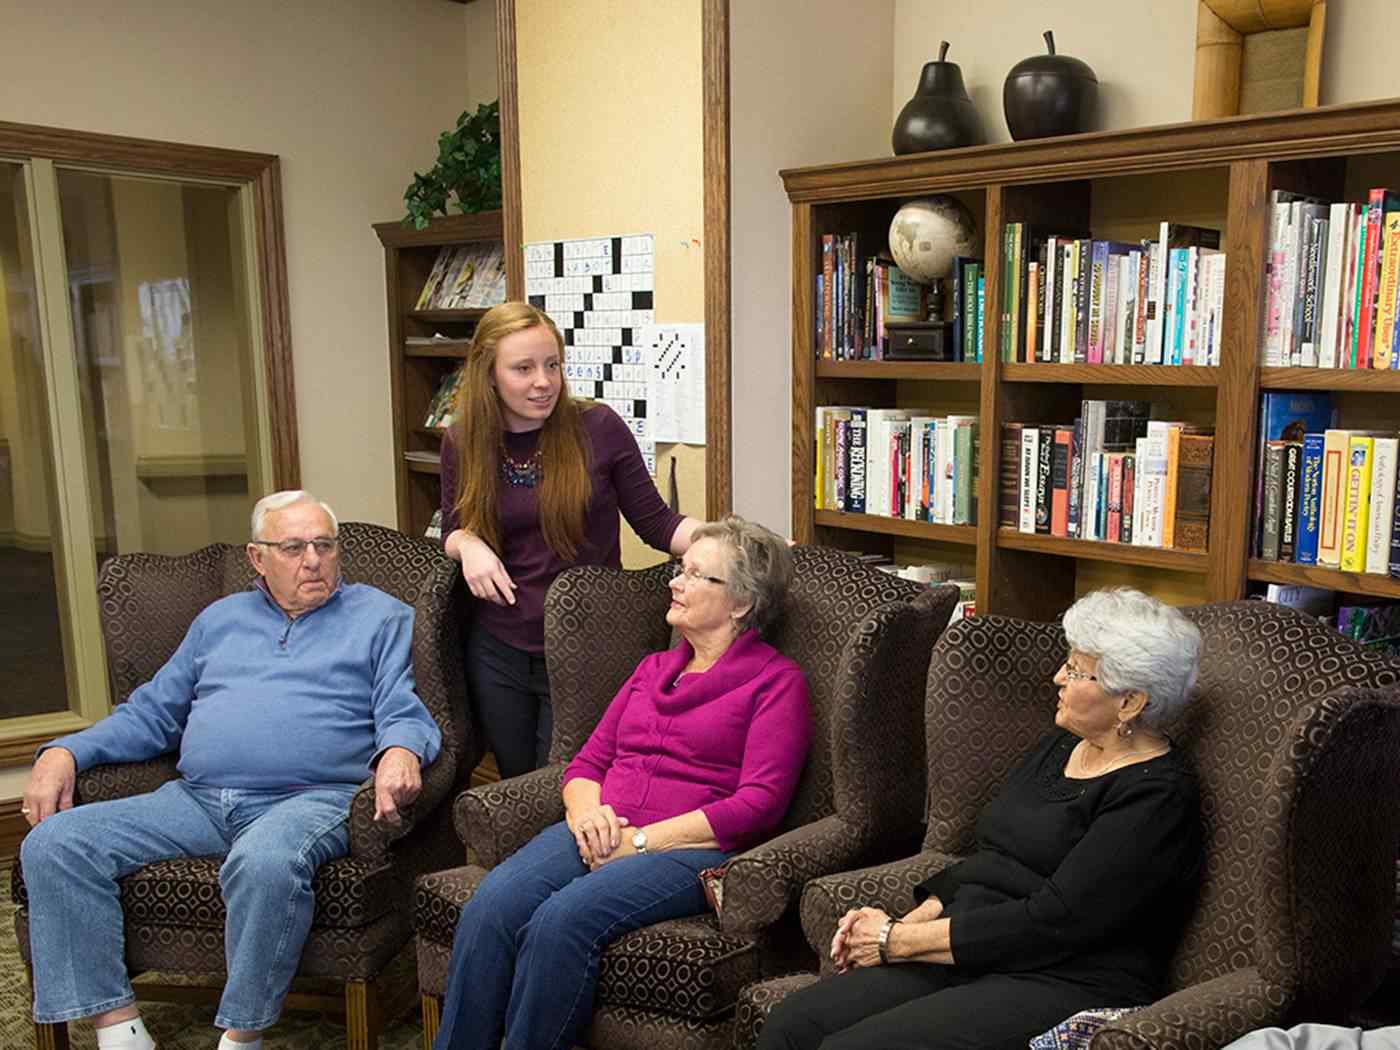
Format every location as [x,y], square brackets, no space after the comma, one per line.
[1111,185]
[417,368]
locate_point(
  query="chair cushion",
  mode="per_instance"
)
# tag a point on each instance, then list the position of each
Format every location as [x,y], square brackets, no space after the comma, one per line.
[683,968]
[185,892]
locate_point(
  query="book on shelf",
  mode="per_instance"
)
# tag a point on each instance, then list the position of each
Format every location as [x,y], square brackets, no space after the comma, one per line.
[1112,475]
[465,277]
[1284,416]
[434,529]
[1332,281]
[1329,500]
[1071,299]
[896,463]
[422,457]
[442,408]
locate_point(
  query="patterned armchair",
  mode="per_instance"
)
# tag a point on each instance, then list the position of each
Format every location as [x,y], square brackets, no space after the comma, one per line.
[1295,734]
[863,638]
[174,912]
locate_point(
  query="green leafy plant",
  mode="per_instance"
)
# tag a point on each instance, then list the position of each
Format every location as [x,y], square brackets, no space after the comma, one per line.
[468,168]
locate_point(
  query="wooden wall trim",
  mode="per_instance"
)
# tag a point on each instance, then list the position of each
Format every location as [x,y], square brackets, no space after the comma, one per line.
[719,482]
[259,171]
[510,149]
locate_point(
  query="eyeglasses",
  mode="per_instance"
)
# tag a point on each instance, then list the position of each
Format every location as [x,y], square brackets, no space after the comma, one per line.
[1073,674]
[295,549]
[694,576]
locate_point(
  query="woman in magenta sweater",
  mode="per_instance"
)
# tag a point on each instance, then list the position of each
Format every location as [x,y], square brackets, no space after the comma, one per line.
[532,483]
[696,758]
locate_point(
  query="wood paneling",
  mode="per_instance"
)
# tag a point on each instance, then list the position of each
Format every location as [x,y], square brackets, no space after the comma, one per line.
[13,828]
[719,482]
[513,232]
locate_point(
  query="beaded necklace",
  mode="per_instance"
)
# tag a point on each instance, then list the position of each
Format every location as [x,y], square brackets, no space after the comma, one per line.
[521,473]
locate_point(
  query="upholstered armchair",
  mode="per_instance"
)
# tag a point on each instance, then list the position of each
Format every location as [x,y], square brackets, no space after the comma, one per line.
[174,912]
[1295,735]
[863,638]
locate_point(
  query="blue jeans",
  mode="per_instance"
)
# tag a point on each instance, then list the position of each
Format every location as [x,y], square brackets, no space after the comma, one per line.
[525,958]
[273,841]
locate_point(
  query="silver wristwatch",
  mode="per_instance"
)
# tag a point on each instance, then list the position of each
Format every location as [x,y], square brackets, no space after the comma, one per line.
[884,940]
[639,840]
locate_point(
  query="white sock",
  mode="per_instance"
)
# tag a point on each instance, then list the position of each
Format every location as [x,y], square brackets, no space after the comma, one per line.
[225,1043]
[125,1035]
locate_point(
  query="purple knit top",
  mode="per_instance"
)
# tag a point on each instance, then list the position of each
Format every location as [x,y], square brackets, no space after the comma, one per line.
[620,482]
[730,741]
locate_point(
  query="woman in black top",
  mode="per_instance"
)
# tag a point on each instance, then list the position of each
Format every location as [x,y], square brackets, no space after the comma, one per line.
[1085,869]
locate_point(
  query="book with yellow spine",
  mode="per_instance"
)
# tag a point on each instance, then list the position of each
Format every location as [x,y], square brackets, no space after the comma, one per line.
[1357,498]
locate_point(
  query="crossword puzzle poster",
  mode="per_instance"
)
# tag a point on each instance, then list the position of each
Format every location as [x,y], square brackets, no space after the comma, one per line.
[600,292]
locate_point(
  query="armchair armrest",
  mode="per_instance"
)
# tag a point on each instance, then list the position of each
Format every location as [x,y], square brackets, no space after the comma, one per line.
[495,820]
[889,887]
[370,839]
[762,883]
[1212,1013]
[124,779]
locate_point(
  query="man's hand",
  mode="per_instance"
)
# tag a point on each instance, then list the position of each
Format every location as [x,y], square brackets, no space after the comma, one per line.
[397,781]
[50,786]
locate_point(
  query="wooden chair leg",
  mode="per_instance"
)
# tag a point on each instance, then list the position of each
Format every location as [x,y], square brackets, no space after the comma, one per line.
[362,1015]
[50,1036]
[432,1020]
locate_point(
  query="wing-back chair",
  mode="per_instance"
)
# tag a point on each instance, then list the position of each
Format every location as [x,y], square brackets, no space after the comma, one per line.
[174,914]
[863,638]
[1295,736]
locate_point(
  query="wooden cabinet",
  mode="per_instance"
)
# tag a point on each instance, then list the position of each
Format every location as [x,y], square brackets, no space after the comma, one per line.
[417,371]
[1118,185]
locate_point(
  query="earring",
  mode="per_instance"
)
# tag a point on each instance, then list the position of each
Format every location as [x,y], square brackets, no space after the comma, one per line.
[1125,729]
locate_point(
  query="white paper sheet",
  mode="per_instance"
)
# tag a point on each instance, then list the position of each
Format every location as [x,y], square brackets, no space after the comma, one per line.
[675,368]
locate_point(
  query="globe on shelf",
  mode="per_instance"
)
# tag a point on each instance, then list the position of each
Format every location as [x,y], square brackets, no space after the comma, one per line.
[926,234]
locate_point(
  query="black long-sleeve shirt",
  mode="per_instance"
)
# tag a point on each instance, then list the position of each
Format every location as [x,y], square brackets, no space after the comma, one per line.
[1091,879]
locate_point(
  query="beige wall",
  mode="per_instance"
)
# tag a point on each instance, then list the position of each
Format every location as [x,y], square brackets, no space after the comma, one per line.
[351,94]
[787,110]
[610,143]
[481,53]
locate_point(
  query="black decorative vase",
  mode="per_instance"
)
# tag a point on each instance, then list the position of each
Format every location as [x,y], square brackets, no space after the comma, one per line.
[1049,95]
[940,115]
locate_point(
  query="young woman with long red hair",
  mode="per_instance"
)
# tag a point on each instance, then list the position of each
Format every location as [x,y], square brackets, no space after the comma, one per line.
[532,483]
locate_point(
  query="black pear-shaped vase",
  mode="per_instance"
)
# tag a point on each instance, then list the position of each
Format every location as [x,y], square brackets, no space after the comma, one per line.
[940,115]
[1049,94]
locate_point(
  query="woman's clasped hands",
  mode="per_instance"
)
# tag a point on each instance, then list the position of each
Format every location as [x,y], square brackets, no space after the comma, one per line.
[597,833]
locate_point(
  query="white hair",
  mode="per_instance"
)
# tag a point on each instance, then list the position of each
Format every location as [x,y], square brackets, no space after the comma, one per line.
[287,498]
[1141,644]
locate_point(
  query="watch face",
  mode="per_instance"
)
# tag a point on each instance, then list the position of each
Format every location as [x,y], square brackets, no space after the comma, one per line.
[639,839]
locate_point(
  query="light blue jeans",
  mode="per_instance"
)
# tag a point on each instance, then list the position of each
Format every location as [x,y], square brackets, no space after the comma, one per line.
[272,844]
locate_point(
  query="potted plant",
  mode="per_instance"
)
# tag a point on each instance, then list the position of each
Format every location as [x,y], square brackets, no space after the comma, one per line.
[468,168]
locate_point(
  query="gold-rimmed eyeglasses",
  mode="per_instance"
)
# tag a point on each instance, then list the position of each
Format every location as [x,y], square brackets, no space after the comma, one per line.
[293,550]
[694,576]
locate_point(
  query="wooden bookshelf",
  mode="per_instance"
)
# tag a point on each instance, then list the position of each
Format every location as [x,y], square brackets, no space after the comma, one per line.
[1317,576]
[1115,185]
[415,369]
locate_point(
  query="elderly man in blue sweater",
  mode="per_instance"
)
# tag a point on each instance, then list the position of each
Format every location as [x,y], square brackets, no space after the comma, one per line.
[281,700]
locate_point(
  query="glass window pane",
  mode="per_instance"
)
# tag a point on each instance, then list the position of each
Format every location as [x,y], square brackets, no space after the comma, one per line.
[34,661]
[160,326]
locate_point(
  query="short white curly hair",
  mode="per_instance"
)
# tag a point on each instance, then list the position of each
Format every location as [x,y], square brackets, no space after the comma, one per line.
[287,498]
[1141,644]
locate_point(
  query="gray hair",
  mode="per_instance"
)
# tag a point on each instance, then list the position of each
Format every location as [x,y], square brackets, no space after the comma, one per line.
[287,498]
[760,567]
[1141,644]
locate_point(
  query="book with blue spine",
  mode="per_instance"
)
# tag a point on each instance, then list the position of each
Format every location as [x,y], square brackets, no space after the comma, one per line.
[981,316]
[1285,415]
[1181,261]
[1310,500]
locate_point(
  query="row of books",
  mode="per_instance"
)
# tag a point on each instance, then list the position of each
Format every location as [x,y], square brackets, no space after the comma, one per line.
[442,407]
[856,298]
[897,463]
[1113,475]
[1329,500]
[1333,281]
[935,574]
[465,277]
[1069,299]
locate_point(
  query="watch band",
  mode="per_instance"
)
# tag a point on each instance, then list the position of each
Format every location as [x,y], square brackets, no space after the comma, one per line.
[884,940]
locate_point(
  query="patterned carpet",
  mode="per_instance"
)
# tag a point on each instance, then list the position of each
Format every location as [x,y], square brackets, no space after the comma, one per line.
[175,1027]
